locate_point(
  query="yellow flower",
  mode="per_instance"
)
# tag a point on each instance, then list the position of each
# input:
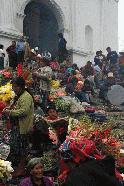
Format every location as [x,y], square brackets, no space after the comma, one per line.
[6,93]
[55,84]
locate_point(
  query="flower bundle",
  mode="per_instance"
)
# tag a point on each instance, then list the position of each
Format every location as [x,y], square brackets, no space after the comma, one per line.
[62,105]
[69,104]
[6,93]
[5,170]
[19,70]
[112,146]
[55,84]
[76,150]
[54,65]
[5,74]
[2,106]
[50,160]
[55,93]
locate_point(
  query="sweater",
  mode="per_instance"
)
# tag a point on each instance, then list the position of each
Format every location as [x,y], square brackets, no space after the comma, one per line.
[24,110]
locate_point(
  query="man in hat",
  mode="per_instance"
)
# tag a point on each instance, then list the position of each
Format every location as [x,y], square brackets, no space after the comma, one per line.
[99,58]
[112,56]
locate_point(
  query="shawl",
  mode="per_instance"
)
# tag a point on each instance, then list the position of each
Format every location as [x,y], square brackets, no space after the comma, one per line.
[27,181]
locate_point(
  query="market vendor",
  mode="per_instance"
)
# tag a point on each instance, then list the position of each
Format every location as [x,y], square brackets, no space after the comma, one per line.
[21,114]
[43,75]
[52,114]
[35,169]
[11,51]
[110,81]
[87,70]
[79,93]
[84,90]
[73,77]
[60,125]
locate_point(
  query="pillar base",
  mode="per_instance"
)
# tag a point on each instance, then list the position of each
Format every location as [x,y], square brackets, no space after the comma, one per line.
[80,57]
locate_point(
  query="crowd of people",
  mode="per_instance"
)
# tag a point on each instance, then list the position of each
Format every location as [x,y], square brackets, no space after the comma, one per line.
[36,124]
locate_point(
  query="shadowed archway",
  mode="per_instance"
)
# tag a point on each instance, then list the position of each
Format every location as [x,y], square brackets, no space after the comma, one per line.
[42,25]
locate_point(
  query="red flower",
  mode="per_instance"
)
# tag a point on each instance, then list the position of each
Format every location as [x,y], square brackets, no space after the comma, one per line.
[19,70]
[2,106]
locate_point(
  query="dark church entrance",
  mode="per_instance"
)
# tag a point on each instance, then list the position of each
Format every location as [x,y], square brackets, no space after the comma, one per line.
[41,26]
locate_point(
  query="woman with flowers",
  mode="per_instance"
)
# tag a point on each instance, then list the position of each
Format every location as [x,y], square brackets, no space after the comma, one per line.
[21,114]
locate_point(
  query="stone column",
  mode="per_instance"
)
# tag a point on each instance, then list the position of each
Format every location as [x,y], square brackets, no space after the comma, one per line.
[8,14]
[102,19]
[73,22]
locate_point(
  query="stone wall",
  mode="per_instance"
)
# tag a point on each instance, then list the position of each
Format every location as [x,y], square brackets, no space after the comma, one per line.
[81,19]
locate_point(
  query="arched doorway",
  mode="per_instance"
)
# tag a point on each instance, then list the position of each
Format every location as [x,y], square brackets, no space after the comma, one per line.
[41,26]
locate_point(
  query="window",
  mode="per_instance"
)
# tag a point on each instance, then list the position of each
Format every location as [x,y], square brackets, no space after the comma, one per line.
[88,38]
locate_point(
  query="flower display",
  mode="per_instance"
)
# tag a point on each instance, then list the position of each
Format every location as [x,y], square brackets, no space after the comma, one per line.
[92,140]
[102,135]
[6,93]
[70,104]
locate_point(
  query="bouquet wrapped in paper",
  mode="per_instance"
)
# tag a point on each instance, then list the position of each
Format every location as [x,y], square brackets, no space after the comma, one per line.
[6,93]
[5,171]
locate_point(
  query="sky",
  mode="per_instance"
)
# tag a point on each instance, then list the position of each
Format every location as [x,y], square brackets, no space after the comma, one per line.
[121,24]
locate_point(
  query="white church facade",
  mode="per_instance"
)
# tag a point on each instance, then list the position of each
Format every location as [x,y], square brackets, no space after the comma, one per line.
[87,25]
